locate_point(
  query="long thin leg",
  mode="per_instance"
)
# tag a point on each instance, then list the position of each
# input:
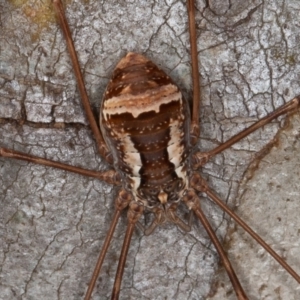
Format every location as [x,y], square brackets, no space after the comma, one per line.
[122,202]
[198,183]
[110,176]
[200,158]
[195,129]
[134,213]
[84,98]
[193,203]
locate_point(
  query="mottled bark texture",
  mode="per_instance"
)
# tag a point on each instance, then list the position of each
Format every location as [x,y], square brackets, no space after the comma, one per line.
[53,223]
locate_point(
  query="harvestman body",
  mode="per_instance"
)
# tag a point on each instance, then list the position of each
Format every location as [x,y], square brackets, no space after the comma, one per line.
[147,133]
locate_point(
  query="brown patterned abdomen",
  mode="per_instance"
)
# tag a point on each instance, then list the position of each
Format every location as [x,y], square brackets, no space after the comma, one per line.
[144,119]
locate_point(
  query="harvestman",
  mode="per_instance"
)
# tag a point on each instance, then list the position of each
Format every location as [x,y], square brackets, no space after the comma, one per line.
[189,196]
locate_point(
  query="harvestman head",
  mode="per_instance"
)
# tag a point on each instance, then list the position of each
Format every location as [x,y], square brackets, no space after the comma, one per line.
[147,134]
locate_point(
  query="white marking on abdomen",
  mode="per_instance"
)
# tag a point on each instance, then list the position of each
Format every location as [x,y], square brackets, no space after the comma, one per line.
[175,146]
[151,100]
[132,156]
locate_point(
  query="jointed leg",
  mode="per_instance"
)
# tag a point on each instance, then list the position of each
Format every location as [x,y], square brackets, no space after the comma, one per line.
[192,201]
[134,213]
[84,98]
[198,183]
[110,176]
[200,158]
[122,202]
[195,129]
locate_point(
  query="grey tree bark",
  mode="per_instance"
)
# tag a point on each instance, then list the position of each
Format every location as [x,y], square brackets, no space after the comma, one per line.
[52,223]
